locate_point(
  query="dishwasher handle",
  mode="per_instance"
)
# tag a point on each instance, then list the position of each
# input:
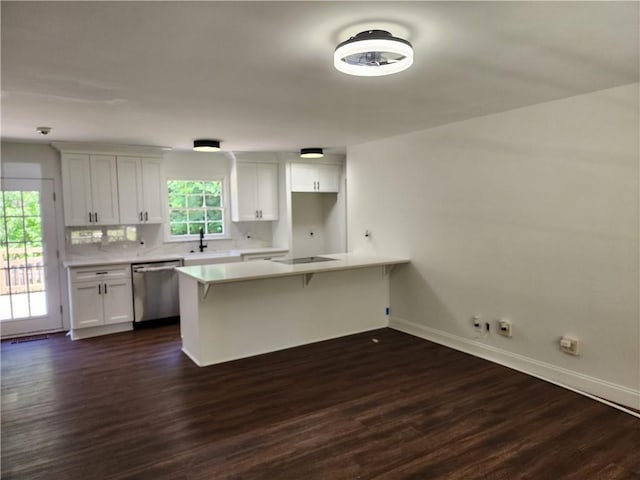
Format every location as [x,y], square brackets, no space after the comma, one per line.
[153,269]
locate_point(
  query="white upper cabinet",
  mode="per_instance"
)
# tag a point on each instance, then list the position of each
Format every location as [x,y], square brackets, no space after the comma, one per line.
[254,191]
[307,177]
[139,189]
[90,189]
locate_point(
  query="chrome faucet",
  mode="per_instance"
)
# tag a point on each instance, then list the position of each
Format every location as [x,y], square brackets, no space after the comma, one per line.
[202,246]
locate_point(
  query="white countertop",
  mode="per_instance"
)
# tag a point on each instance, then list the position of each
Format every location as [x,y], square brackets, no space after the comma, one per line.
[236,272]
[159,257]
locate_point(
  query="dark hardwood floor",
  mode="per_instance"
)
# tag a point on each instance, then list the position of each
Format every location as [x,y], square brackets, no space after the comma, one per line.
[132,406]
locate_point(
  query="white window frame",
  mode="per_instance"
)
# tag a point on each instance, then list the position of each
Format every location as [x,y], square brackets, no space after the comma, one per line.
[226,211]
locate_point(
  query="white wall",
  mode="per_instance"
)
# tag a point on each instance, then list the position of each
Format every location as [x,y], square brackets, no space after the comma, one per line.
[532,215]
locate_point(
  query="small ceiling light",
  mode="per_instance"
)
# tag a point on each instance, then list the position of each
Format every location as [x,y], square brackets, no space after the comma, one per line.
[311,153]
[373,53]
[204,145]
[43,130]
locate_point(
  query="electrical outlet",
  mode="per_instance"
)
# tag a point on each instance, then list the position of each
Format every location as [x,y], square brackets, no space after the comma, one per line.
[475,321]
[505,328]
[570,345]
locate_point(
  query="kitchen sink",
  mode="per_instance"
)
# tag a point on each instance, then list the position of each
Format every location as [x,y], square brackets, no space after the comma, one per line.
[295,261]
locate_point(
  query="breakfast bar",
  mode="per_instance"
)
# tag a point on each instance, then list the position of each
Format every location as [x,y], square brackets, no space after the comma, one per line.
[236,310]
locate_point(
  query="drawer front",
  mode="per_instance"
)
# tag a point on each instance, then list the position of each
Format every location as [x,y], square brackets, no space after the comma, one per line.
[90,274]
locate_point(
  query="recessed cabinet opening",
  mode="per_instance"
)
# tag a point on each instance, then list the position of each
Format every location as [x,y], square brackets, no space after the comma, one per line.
[318,224]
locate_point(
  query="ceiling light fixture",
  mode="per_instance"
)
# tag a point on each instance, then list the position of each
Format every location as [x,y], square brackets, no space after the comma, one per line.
[373,53]
[204,145]
[311,153]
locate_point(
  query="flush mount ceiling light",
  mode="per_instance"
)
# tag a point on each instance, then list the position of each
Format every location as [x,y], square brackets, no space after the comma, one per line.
[373,53]
[204,145]
[311,153]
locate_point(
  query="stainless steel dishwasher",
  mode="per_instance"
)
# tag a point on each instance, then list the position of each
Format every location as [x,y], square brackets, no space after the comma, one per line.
[155,290]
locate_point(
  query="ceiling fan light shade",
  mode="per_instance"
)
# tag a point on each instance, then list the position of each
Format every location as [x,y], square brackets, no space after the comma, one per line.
[311,153]
[372,54]
[204,145]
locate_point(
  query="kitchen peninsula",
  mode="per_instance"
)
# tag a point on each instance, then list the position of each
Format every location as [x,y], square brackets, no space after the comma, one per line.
[236,310]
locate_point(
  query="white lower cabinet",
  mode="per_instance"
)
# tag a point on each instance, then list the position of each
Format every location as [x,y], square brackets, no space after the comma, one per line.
[100,297]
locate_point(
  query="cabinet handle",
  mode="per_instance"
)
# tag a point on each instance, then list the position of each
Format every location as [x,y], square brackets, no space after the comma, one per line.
[96,216]
[146,216]
[260,213]
[105,288]
[140,216]
[318,184]
[99,289]
[90,218]
[257,216]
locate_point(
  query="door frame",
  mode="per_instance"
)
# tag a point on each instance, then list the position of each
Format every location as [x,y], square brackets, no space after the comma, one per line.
[53,321]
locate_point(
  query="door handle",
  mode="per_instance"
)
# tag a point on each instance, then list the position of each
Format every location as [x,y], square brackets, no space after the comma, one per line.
[99,289]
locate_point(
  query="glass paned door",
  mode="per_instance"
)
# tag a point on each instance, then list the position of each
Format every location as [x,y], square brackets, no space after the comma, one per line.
[29,285]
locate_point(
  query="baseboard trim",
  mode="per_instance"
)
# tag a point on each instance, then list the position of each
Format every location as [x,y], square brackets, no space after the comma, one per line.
[595,388]
[82,333]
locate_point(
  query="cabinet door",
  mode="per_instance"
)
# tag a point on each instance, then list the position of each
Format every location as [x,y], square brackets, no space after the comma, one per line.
[303,177]
[328,178]
[104,189]
[86,305]
[245,194]
[76,189]
[129,190]
[118,301]
[152,189]
[267,179]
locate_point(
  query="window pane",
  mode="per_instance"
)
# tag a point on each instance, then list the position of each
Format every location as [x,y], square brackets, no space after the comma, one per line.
[178,229]
[31,203]
[38,303]
[17,258]
[214,215]
[194,228]
[196,215]
[177,201]
[15,230]
[212,201]
[35,276]
[13,203]
[214,227]
[195,187]
[20,305]
[177,216]
[195,201]
[33,229]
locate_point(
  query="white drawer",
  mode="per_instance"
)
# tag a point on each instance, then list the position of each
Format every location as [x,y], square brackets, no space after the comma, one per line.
[88,274]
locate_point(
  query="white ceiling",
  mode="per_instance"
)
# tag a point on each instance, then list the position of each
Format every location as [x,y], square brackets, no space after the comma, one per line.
[259,75]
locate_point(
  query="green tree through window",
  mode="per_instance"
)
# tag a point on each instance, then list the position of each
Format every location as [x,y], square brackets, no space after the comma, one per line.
[195,205]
